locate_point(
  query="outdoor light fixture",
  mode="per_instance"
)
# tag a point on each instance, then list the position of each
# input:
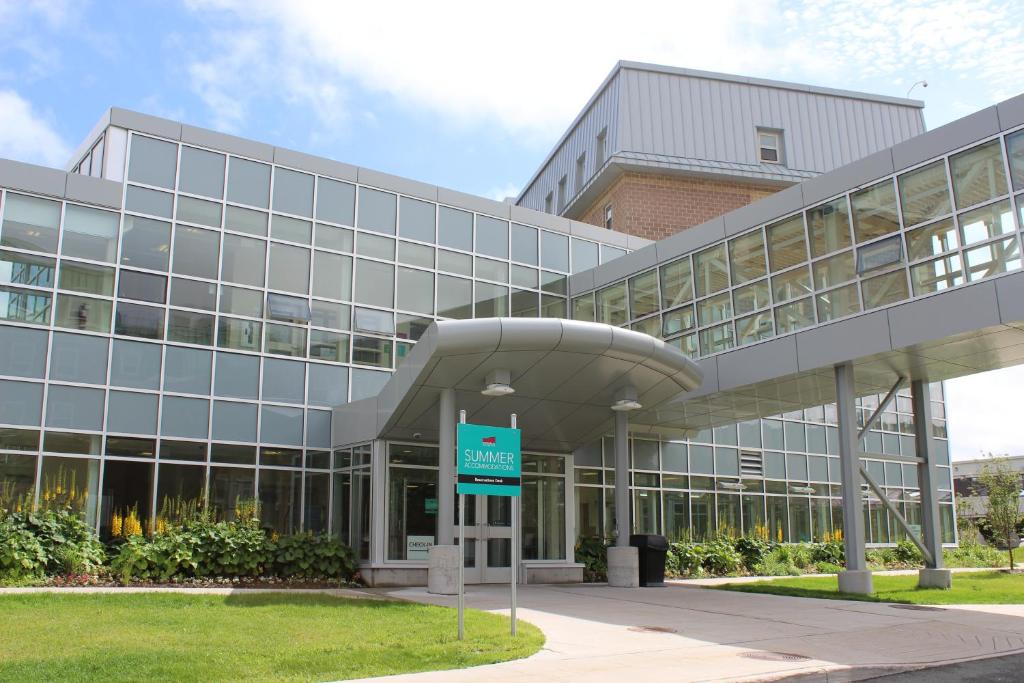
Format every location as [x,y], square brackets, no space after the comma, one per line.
[625,400]
[497,383]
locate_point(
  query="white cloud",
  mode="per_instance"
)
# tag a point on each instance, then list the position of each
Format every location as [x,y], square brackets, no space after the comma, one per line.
[26,135]
[499,193]
[530,68]
[984,413]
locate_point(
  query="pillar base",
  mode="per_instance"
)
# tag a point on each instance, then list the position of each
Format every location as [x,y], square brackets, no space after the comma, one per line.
[623,567]
[856,581]
[934,578]
[443,569]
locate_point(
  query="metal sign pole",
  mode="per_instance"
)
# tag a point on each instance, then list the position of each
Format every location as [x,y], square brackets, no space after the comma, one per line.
[462,556]
[515,545]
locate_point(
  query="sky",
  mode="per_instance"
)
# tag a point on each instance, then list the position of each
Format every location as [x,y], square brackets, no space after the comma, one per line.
[472,95]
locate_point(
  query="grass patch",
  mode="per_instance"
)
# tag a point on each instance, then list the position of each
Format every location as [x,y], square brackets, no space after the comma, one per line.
[280,637]
[975,588]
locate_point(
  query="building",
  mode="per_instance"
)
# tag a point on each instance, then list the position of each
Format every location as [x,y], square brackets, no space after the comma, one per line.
[659,149]
[189,314]
[969,489]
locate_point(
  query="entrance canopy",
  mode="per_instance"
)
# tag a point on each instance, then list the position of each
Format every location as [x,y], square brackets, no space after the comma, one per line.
[566,375]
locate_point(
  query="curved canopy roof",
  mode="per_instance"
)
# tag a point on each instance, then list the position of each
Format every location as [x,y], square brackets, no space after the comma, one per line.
[566,375]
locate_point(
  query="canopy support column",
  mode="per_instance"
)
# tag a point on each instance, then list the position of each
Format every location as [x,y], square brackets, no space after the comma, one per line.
[623,559]
[856,578]
[933,575]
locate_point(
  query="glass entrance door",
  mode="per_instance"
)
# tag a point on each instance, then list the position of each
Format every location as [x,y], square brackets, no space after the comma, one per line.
[488,534]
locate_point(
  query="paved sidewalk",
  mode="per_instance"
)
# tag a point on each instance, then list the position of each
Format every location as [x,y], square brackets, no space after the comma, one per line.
[682,633]
[718,580]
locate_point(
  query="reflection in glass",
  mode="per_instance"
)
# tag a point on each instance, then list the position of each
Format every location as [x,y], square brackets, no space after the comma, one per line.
[412,512]
[643,294]
[786,244]
[978,174]
[829,227]
[676,283]
[874,211]
[934,276]
[997,257]
[711,270]
[611,305]
[884,289]
[987,222]
[746,253]
[924,194]
[838,303]
[794,316]
[931,240]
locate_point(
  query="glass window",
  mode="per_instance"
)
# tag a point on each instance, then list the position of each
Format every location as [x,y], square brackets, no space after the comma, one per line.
[144,200]
[829,227]
[131,413]
[611,305]
[491,237]
[228,485]
[177,483]
[711,270]
[24,306]
[794,316]
[754,328]
[289,268]
[931,240]
[552,306]
[417,219]
[135,364]
[25,269]
[554,251]
[377,210]
[677,321]
[191,210]
[126,487]
[335,201]
[238,301]
[375,283]
[643,294]
[287,308]
[142,286]
[454,297]
[284,380]
[924,194]
[187,370]
[328,314]
[584,255]
[411,327]
[786,244]
[285,340]
[791,284]
[193,294]
[415,290]
[415,254]
[90,233]
[838,303]
[248,182]
[714,309]
[293,192]
[133,320]
[328,385]
[30,223]
[524,304]
[489,269]
[78,358]
[185,417]
[833,270]
[376,246]
[190,328]
[281,494]
[367,383]
[524,244]
[81,313]
[330,237]
[491,300]
[237,376]
[716,339]
[987,222]
[332,275]
[552,282]
[1015,149]
[152,162]
[291,229]
[978,174]
[412,512]
[281,425]
[455,229]
[146,243]
[371,351]
[884,289]
[245,220]
[85,278]
[874,211]
[454,262]
[583,308]
[21,403]
[74,408]
[373,321]
[993,258]
[22,352]
[934,276]
[202,172]
[543,518]
[234,333]
[746,253]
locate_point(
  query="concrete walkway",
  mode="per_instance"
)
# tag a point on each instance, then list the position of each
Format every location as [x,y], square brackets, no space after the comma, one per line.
[684,633]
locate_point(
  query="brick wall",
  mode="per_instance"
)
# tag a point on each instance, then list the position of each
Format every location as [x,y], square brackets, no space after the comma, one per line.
[654,206]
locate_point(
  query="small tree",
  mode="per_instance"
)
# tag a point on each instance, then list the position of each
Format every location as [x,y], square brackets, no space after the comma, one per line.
[1003,488]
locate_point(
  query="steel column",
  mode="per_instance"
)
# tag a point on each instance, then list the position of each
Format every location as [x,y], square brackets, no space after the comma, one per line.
[849,467]
[927,471]
[446,468]
[622,506]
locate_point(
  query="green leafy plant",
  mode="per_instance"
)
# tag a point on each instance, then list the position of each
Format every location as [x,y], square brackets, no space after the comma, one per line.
[21,553]
[753,550]
[69,544]
[592,553]
[313,556]
[908,553]
[831,552]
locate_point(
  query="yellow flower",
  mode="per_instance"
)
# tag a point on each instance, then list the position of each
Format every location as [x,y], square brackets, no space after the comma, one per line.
[115,525]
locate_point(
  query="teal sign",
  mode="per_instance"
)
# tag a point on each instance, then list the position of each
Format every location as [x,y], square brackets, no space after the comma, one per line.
[490,460]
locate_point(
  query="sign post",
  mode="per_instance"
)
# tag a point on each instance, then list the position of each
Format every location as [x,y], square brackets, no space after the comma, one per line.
[489,464]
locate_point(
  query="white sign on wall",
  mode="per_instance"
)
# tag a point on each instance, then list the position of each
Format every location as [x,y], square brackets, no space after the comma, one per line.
[416,547]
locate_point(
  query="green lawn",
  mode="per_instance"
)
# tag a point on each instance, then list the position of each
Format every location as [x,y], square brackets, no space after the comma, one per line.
[980,588]
[280,637]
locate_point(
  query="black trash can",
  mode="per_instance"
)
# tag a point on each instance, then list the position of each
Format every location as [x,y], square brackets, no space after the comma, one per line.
[652,549]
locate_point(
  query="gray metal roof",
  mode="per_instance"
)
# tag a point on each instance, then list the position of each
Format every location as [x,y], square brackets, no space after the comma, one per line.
[566,375]
[699,115]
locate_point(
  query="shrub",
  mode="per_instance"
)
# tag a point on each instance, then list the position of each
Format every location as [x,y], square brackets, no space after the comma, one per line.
[688,558]
[68,543]
[831,552]
[592,552]
[907,553]
[21,553]
[229,549]
[161,558]
[827,568]
[721,557]
[313,556]
[801,555]
[771,566]
[974,555]
[753,550]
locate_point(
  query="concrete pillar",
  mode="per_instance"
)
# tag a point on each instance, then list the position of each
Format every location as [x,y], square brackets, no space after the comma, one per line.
[856,578]
[933,575]
[623,559]
[446,468]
